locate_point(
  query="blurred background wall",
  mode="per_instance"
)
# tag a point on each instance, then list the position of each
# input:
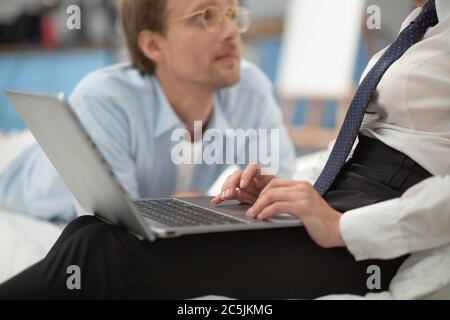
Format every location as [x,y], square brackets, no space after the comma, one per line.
[39,53]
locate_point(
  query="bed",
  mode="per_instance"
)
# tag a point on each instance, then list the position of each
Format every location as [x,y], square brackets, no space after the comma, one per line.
[24,241]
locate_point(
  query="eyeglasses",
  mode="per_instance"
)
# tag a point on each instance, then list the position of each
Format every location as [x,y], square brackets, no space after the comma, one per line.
[212,17]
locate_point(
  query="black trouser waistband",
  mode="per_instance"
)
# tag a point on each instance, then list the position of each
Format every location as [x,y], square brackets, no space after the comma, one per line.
[378,161]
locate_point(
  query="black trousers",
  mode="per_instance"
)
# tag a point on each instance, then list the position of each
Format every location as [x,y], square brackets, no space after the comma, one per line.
[260,264]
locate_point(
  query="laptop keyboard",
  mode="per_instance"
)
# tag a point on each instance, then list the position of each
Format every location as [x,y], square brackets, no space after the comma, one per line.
[175,213]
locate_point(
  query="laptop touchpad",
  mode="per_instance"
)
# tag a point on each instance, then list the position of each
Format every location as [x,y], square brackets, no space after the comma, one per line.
[236,209]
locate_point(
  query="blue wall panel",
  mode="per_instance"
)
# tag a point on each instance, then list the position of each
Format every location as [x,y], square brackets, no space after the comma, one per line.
[46,72]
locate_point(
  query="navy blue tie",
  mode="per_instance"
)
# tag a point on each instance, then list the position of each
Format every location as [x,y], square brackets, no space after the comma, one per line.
[355,114]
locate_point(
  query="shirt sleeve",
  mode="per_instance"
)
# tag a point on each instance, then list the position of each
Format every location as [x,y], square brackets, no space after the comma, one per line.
[31,185]
[418,220]
[271,118]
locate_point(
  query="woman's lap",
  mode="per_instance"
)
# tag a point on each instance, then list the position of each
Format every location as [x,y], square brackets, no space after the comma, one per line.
[275,263]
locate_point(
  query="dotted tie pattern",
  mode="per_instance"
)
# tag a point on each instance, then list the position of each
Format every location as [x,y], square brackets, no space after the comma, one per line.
[355,114]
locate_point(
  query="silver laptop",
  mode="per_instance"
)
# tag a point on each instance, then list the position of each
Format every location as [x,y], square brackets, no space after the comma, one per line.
[79,162]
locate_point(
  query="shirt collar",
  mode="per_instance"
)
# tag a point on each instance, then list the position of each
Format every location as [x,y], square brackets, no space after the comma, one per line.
[443,9]
[167,119]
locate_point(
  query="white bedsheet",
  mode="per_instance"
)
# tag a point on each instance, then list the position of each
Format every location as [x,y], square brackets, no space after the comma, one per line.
[24,241]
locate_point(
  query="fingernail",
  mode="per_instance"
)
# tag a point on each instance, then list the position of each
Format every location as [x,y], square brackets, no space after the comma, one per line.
[250,212]
[243,184]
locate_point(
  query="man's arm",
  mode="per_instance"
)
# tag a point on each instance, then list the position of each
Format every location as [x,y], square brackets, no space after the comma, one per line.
[267,115]
[271,118]
[32,186]
[418,220]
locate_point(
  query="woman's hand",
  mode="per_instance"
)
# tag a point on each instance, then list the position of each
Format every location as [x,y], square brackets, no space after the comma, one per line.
[244,186]
[299,198]
[270,197]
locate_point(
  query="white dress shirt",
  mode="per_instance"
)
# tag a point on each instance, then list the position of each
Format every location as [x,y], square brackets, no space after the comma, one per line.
[410,112]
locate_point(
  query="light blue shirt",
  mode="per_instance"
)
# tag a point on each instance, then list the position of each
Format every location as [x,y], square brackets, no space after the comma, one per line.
[131,121]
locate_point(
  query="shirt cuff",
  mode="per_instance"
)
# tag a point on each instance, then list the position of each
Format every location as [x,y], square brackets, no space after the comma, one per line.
[373,232]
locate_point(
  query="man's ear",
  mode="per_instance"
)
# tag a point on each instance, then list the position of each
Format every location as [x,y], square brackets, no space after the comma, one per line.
[150,44]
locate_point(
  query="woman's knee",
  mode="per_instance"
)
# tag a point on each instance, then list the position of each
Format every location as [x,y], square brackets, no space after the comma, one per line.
[74,227]
[82,234]
[89,229]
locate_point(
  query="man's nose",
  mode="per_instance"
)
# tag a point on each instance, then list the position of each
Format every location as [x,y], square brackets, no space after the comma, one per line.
[230,29]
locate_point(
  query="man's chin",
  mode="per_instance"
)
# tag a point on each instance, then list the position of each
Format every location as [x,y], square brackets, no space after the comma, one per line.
[227,75]
[227,80]
[231,82]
